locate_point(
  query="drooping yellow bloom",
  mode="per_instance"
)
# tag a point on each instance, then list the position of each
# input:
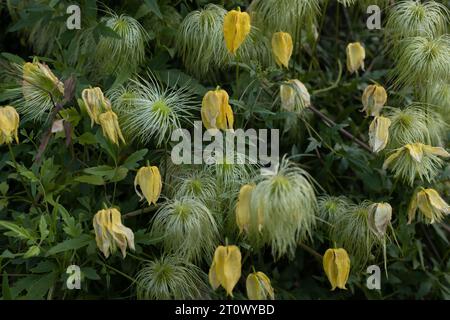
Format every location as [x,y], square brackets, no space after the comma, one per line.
[9,125]
[373,99]
[37,75]
[95,103]
[243,207]
[149,180]
[430,204]
[416,152]
[216,111]
[110,126]
[355,57]
[282,48]
[110,233]
[379,133]
[225,269]
[259,287]
[236,27]
[294,96]
[336,264]
[380,215]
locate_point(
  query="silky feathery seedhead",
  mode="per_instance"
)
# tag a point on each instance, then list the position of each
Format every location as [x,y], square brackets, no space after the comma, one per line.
[379,133]
[336,264]
[347,3]
[110,127]
[422,61]
[355,57]
[225,269]
[438,96]
[149,110]
[294,96]
[216,111]
[196,184]
[259,287]
[285,200]
[430,204]
[380,215]
[110,233]
[330,208]
[284,15]
[282,48]
[114,55]
[415,123]
[40,89]
[188,227]
[170,277]
[9,125]
[149,180]
[352,231]
[95,103]
[373,99]
[416,160]
[243,208]
[236,27]
[416,18]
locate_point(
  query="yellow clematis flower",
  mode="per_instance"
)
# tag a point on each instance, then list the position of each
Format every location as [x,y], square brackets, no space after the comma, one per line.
[149,180]
[355,57]
[38,75]
[95,103]
[430,204]
[236,27]
[225,269]
[110,126]
[216,111]
[243,207]
[294,96]
[9,125]
[379,133]
[336,264]
[110,233]
[373,99]
[416,151]
[380,215]
[259,287]
[282,48]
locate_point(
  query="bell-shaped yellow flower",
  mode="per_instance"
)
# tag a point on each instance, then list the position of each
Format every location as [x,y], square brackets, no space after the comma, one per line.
[95,103]
[294,96]
[225,269]
[430,204]
[9,125]
[416,152]
[380,215]
[236,27]
[373,99]
[355,57]
[149,180]
[216,111]
[336,264]
[282,48]
[110,233]
[379,133]
[38,75]
[110,126]
[259,287]
[243,207]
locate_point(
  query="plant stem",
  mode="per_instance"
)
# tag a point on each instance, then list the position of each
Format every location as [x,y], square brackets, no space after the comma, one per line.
[138,212]
[313,252]
[11,152]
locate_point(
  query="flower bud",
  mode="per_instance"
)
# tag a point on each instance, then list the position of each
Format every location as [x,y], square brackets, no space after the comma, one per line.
[110,127]
[379,133]
[355,57]
[259,287]
[282,48]
[373,99]
[243,207]
[236,27]
[380,215]
[149,180]
[294,96]
[9,125]
[225,269]
[216,111]
[336,264]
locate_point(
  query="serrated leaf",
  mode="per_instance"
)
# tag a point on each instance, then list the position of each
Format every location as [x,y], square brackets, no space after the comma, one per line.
[17,231]
[70,244]
[134,158]
[43,230]
[33,251]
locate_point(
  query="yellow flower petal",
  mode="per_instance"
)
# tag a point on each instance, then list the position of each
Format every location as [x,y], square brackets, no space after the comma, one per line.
[355,57]
[236,27]
[379,133]
[336,265]
[243,207]
[373,99]
[9,125]
[282,48]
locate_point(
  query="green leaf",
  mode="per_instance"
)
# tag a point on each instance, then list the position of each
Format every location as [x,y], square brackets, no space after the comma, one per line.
[33,251]
[87,138]
[95,180]
[90,273]
[154,7]
[106,31]
[134,158]
[71,244]
[99,170]
[17,231]
[13,58]
[43,230]
[119,174]
[6,292]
